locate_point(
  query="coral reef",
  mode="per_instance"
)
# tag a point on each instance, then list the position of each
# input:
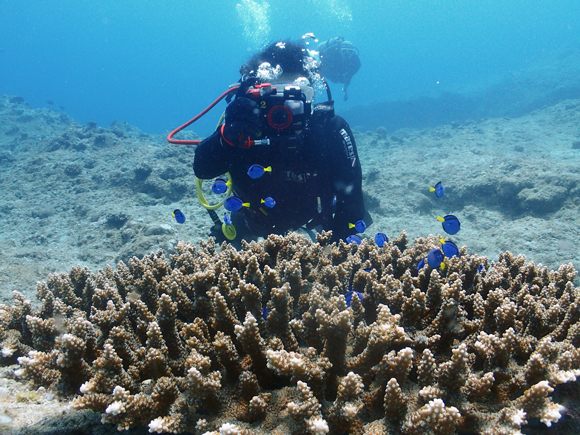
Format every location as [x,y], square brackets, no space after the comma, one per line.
[219,341]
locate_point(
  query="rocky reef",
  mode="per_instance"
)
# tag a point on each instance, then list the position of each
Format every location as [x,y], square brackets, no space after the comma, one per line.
[268,339]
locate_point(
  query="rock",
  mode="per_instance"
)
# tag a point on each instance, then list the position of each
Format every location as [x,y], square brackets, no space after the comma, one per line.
[155,187]
[103,141]
[6,157]
[25,118]
[43,212]
[382,132]
[544,199]
[73,170]
[117,220]
[169,173]
[12,131]
[158,230]
[142,172]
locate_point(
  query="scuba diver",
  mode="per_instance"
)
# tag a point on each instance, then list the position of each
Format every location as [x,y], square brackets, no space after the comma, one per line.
[339,61]
[290,163]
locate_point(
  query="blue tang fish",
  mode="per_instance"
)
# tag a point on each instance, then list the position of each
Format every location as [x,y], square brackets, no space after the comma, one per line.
[353,239]
[421,264]
[179,216]
[439,190]
[269,202]
[265,312]
[233,203]
[227,219]
[450,224]
[481,268]
[360,226]
[435,259]
[220,186]
[256,171]
[449,248]
[381,239]
[348,297]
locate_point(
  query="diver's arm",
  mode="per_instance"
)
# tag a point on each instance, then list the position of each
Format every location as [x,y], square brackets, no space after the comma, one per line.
[212,157]
[347,180]
[215,155]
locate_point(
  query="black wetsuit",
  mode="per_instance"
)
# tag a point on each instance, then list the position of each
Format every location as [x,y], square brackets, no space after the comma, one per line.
[304,181]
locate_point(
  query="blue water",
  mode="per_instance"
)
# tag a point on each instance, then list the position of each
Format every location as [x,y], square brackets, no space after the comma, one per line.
[156,64]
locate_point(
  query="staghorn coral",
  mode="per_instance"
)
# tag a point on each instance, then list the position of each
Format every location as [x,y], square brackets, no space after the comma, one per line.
[219,341]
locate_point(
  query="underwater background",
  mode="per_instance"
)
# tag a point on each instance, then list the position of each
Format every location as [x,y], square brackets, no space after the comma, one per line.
[156,64]
[483,96]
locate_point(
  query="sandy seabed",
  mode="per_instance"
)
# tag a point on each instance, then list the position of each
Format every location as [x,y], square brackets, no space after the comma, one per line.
[74,194]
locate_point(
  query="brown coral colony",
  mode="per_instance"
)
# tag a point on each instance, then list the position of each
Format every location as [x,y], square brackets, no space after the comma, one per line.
[220,341]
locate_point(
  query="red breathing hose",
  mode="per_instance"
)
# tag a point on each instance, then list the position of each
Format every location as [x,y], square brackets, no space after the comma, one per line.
[191,121]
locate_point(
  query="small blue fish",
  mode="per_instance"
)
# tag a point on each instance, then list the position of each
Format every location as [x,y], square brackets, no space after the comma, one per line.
[481,268]
[269,202]
[435,259]
[439,190]
[256,171]
[421,264]
[334,200]
[179,216]
[220,186]
[353,239]
[348,297]
[449,248]
[227,219]
[265,312]
[233,203]
[360,226]
[381,239]
[450,224]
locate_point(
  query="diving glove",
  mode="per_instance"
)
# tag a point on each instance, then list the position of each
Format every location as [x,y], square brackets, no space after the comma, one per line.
[242,122]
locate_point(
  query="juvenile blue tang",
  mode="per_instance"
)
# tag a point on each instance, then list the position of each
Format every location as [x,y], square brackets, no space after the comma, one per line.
[360,226]
[269,202]
[227,219]
[381,239]
[256,171]
[179,216]
[233,203]
[439,189]
[353,239]
[450,224]
[220,186]
[348,296]
[449,248]
[435,259]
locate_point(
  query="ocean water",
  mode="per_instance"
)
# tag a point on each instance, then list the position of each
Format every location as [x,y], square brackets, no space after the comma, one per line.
[157,64]
[483,95]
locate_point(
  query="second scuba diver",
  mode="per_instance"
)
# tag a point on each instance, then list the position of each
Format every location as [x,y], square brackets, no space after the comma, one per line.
[291,163]
[339,61]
